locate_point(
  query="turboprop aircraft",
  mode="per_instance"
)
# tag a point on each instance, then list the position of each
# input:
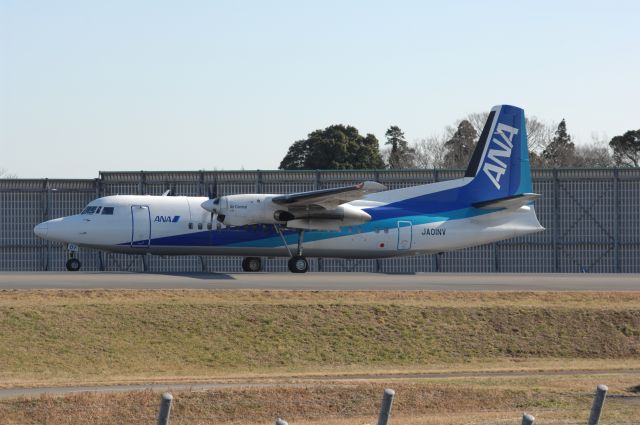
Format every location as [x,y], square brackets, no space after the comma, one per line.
[492,202]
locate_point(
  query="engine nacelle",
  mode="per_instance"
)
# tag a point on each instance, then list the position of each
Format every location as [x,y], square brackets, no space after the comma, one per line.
[240,210]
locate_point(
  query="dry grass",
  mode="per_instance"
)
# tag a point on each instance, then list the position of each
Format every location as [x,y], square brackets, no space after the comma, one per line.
[582,299]
[97,336]
[59,337]
[445,403]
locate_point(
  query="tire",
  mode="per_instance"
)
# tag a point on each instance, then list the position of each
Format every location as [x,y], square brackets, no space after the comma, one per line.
[73,264]
[298,264]
[252,264]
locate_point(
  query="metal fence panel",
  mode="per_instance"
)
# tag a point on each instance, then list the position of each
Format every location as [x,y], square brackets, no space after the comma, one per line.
[591,217]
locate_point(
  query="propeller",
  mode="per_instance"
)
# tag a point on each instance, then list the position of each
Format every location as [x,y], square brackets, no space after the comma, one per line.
[213,204]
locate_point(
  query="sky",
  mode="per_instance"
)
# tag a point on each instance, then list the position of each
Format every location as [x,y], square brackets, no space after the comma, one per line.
[89,86]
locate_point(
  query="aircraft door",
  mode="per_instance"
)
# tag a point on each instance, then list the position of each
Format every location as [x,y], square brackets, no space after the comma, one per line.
[140,226]
[405,235]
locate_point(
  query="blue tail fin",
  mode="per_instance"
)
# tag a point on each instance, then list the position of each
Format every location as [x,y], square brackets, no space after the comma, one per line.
[500,163]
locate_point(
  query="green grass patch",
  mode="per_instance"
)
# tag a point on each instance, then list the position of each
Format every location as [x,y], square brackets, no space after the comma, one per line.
[46,336]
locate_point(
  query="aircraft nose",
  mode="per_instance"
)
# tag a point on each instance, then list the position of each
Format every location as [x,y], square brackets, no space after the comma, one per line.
[41,230]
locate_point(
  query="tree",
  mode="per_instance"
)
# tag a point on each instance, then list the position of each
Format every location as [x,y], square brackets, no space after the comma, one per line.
[460,146]
[430,152]
[296,156]
[561,151]
[337,147]
[4,174]
[626,148]
[594,155]
[539,134]
[401,155]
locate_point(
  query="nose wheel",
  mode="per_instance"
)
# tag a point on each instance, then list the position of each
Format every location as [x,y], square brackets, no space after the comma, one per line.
[73,264]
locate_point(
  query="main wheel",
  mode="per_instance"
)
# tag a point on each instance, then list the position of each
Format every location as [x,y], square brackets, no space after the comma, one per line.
[252,264]
[298,264]
[73,264]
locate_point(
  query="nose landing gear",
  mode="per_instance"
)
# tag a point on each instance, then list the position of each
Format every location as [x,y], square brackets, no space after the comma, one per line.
[73,264]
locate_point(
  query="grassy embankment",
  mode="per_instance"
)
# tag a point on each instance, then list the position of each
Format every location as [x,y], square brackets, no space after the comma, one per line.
[95,336]
[69,337]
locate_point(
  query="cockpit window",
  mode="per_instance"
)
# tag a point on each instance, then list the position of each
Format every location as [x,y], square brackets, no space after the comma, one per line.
[107,211]
[89,210]
[98,210]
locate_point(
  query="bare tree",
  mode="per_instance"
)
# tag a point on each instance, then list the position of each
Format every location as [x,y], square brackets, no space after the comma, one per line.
[596,154]
[4,174]
[539,133]
[430,152]
[593,156]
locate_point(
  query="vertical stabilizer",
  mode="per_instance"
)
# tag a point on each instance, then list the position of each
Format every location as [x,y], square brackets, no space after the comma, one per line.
[500,163]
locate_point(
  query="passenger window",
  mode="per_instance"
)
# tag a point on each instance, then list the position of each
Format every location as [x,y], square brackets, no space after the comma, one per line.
[199,226]
[190,225]
[209,226]
[386,230]
[107,211]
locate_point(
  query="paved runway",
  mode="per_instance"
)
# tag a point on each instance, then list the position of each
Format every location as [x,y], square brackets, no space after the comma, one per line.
[322,281]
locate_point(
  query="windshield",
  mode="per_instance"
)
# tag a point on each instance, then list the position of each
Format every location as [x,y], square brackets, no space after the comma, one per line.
[89,210]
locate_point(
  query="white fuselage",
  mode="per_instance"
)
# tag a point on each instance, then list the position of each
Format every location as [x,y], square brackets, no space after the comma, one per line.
[179,225]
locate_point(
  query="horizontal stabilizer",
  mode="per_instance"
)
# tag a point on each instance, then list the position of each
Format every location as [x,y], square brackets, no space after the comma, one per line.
[510,202]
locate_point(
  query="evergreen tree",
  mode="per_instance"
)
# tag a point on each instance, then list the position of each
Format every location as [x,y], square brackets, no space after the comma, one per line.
[460,146]
[401,155]
[626,148]
[296,156]
[561,151]
[337,147]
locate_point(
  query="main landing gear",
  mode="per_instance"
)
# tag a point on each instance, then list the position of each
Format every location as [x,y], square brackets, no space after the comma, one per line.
[252,264]
[73,264]
[297,263]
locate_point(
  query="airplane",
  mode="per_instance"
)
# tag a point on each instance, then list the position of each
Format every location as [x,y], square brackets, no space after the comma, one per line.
[492,202]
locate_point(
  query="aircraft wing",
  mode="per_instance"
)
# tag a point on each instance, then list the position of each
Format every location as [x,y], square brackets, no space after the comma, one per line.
[510,202]
[329,198]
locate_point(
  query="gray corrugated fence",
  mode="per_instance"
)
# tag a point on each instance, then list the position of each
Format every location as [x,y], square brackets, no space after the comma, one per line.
[592,217]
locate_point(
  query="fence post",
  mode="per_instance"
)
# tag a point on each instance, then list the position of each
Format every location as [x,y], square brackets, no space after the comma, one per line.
[165,409]
[281,422]
[385,408]
[528,419]
[556,221]
[598,404]
[616,220]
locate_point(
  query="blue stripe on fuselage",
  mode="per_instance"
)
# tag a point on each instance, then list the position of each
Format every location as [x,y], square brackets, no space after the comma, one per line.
[265,236]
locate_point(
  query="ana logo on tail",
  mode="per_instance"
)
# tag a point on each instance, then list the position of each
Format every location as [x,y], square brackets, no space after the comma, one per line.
[494,167]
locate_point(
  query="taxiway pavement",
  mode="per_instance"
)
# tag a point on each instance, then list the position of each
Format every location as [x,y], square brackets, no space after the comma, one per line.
[322,281]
